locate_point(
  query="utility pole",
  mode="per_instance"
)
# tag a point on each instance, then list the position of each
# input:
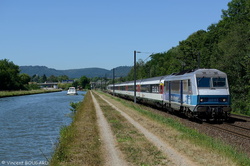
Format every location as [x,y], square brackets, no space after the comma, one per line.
[134,76]
[101,84]
[105,82]
[113,81]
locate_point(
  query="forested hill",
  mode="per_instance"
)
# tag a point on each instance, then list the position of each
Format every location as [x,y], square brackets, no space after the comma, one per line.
[75,73]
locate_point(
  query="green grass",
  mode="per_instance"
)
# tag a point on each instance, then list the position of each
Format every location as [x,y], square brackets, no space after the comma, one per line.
[79,143]
[62,151]
[25,92]
[192,135]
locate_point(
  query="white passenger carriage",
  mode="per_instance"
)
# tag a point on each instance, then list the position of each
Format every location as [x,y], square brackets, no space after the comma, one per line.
[151,88]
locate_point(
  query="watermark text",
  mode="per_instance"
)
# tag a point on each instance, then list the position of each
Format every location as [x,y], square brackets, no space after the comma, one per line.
[25,163]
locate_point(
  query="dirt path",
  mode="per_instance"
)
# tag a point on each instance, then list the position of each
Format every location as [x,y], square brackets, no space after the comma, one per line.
[112,154]
[176,157]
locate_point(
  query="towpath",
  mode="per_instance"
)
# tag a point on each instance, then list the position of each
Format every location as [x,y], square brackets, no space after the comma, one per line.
[114,155]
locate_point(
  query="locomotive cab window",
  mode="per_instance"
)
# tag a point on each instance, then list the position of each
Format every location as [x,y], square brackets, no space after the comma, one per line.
[207,82]
[203,82]
[219,82]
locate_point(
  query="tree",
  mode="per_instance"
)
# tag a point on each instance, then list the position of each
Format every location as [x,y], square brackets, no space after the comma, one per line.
[44,78]
[35,78]
[238,11]
[24,78]
[52,78]
[84,82]
[62,77]
[9,75]
[191,49]
[75,83]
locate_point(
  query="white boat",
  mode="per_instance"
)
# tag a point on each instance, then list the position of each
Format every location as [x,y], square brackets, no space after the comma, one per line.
[72,91]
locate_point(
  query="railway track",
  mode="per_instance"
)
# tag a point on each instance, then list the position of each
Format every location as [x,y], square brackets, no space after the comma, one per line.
[232,130]
[239,127]
[235,129]
[242,117]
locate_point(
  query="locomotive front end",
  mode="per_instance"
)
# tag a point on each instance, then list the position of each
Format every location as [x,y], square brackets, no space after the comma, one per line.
[213,97]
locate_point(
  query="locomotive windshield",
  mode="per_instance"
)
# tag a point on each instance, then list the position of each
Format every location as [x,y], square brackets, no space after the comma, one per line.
[203,82]
[208,82]
[219,82]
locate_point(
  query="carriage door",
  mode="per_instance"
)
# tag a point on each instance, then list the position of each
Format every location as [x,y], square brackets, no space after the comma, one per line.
[138,89]
[161,88]
[167,93]
[181,91]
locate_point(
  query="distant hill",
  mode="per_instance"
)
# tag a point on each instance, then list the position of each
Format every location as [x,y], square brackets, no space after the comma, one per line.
[121,71]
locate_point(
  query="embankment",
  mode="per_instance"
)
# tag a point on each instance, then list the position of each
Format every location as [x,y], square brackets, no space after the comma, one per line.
[79,143]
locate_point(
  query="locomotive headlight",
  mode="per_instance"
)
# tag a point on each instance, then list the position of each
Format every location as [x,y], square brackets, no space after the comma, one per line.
[203,99]
[223,99]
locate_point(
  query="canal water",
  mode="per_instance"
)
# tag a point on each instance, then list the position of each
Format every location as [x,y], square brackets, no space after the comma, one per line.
[30,126]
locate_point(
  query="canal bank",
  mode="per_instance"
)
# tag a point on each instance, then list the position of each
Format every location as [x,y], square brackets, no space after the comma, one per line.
[79,143]
[26,92]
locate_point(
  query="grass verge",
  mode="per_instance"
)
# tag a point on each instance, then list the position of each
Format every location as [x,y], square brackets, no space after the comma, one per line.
[79,143]
[191,135]
[26,92]
[135,147]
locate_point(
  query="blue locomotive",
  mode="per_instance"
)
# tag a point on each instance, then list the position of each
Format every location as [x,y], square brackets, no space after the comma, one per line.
[201,93]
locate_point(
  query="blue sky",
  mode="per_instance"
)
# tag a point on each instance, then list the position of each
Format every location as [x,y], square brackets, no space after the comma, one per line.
[73,34]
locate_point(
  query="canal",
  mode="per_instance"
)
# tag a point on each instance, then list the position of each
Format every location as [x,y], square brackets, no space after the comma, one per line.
[30,126]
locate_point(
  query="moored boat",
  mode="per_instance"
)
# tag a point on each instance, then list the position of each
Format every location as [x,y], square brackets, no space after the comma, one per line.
[72,91]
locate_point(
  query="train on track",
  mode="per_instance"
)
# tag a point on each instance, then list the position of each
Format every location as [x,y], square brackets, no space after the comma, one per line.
[199,94]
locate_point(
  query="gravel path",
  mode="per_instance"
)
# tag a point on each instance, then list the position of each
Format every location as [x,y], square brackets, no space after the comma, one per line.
[172,154]
[112,155]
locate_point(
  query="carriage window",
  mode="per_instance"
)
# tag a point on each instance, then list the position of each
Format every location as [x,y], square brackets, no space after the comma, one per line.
[155,88]
[145,88]
[130,88]
[219,82]
[203,82]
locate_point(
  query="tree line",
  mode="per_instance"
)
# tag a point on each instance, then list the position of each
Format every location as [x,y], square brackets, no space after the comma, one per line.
[224,46]
[12,79]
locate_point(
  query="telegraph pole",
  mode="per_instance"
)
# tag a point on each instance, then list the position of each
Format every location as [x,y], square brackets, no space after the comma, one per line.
[113,81]
[134,76]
